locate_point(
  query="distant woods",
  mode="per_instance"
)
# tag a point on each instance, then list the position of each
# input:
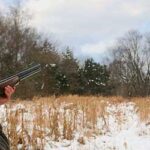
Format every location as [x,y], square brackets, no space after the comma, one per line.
[128,73]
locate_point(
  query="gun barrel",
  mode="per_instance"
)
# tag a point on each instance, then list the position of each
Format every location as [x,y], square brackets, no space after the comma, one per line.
[23,74]
[14,79]
[29,72]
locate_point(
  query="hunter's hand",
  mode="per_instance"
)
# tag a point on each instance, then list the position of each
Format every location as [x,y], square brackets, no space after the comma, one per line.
[9,91]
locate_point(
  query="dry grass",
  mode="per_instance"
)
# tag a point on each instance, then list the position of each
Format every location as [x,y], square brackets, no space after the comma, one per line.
[143,108]
[34,122]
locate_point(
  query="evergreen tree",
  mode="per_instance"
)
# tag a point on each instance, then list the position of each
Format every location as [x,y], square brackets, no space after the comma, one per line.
[69,68]
[94,78]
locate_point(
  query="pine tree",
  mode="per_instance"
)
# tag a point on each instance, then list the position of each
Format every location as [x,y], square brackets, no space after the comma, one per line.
[94,77]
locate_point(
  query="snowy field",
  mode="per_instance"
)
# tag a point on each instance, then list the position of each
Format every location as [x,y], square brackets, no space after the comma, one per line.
[74,125]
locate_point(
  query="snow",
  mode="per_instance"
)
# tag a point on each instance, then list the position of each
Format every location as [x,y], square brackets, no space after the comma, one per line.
[130,135]
[53,65]
[124,130]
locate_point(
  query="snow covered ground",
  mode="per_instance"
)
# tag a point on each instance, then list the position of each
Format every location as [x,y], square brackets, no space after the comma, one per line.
[121,130]
[130,134]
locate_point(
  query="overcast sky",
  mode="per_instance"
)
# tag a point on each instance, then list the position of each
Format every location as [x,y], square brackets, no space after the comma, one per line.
[90,27]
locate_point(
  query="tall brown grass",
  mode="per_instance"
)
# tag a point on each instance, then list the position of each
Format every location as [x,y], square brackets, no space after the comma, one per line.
[32,123]
[143,108]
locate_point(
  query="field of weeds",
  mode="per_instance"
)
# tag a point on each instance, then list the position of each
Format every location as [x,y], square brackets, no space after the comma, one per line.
[78,123]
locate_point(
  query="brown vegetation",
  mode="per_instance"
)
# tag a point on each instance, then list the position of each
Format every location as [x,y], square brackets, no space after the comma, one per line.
[55,119]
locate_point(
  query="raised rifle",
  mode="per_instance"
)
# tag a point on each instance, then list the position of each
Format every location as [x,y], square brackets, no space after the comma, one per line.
[16,78]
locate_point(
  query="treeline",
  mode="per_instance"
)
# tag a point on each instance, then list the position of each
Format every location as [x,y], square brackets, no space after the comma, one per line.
[128,74]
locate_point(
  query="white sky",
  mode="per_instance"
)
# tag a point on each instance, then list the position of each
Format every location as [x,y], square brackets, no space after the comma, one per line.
[88,26]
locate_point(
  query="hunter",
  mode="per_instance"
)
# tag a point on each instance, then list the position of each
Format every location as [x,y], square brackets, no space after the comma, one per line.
[4,142]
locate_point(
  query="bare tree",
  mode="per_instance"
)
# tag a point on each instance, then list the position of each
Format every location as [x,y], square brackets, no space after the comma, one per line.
[131,64]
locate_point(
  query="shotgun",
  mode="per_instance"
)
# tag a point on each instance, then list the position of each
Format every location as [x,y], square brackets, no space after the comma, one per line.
[15,79]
